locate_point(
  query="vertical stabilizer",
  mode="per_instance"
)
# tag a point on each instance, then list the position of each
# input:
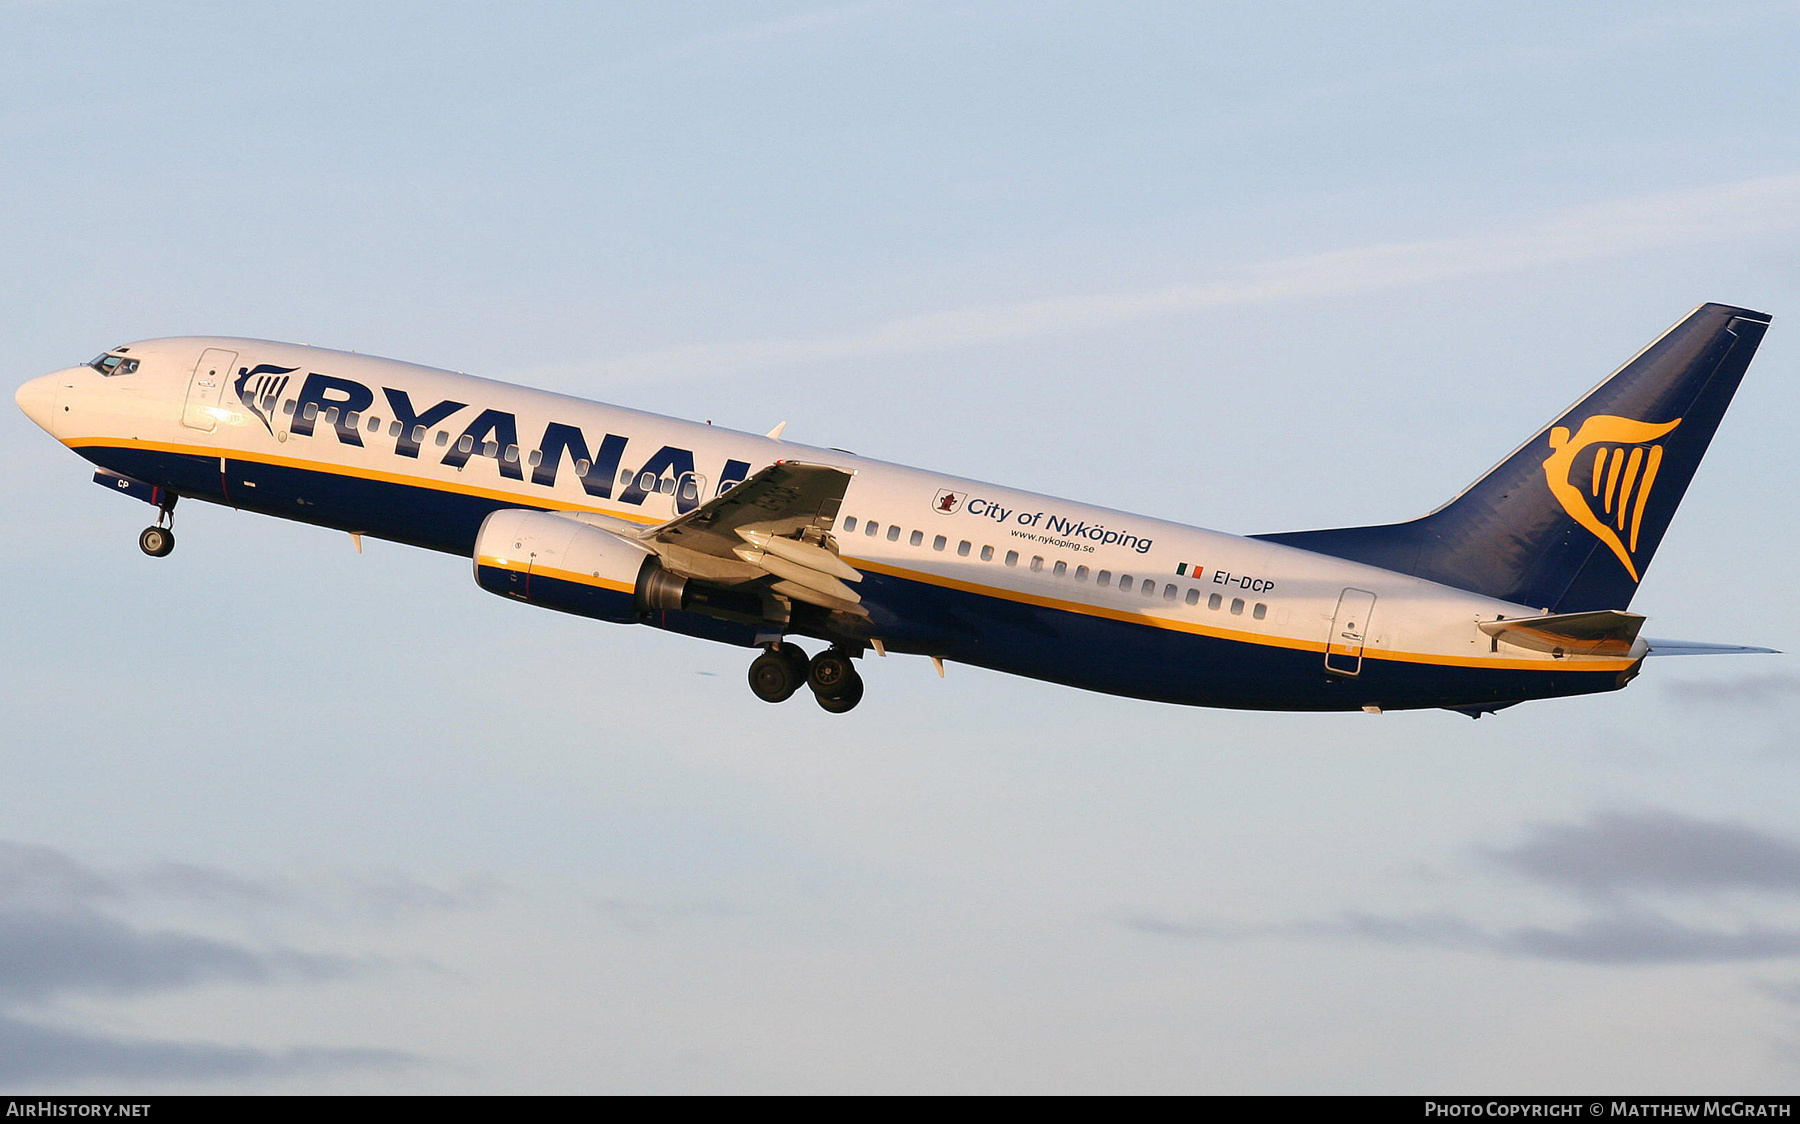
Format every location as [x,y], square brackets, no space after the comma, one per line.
[1571,520]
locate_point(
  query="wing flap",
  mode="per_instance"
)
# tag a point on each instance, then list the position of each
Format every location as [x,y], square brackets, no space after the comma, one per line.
[776,528]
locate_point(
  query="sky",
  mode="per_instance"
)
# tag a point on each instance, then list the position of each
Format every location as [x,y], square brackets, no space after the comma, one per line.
[281,817]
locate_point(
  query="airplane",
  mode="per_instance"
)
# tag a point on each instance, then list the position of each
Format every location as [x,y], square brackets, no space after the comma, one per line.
[1516,589]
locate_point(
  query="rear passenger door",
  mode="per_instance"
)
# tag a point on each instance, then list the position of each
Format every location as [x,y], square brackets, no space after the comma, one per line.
[1349,628]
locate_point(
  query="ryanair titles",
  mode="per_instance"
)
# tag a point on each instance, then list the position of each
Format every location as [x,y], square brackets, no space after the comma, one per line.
[341,405]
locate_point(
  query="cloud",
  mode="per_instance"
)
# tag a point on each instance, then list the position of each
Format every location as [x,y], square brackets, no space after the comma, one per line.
[50,953]
[1615,937]
[1651,850]
[42,876]
[1647,938]
[61,936]
[1693,216]
[1634,937]
[30,873]
[1787,992]
[1606,859]
[1746,690]
[34,1052]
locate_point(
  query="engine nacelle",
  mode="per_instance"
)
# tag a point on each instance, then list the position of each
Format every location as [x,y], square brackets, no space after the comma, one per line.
[558,562]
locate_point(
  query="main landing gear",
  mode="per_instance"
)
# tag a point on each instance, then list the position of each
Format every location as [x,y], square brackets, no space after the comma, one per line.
[158,540]
[778,673]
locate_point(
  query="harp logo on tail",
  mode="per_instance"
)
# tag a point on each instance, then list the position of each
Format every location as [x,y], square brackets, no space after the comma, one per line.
[1603,475]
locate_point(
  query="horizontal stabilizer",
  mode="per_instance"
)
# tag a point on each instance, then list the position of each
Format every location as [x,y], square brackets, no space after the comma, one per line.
[1605,632]
[1695,648]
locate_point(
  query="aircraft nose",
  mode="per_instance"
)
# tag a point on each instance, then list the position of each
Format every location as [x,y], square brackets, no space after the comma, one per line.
[38,399]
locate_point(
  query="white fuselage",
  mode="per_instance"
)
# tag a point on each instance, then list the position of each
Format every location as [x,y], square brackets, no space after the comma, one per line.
[197,400]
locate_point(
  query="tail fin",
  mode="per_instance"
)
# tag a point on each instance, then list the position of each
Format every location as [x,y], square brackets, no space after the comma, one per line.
[1571,520]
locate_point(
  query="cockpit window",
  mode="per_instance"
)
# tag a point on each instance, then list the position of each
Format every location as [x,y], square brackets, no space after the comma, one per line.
[108,364]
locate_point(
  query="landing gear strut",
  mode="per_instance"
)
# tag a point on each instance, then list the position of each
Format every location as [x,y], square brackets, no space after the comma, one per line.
[777,674]
[159,539]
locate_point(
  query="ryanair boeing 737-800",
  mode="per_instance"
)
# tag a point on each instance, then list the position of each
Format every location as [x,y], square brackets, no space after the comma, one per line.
[1516,589]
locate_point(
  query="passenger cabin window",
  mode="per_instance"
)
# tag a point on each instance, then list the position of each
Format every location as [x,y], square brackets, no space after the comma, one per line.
[987,554]
[443,438]
[394,428]
[1012,558]
[893,532]
[465,444]
[1103,579]
[490,448]
[582,467]
[962,548]
[312,411]
[1061,569]
[1237,606]
[1214,602]
[418,435]
[1081,573]
[916,538]
[939,542]
[1037,564]
[374,425]
[1193,597]
[352,419]
[1169,592]
[331,415]
[512,454]
[1124,583]
[871,527]
[288,406]
[537,458]
[849,524]
[1260,611]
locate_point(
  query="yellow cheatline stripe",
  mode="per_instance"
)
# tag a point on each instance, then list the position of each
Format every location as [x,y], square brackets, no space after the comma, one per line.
[524,499]
[1266,641]
[880,568]
[522,566]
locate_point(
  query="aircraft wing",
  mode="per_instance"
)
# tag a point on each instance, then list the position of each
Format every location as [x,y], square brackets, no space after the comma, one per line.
[1695,648]
[776,525]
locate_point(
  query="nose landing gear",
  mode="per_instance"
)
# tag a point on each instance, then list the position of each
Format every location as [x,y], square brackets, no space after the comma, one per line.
[158,540]
[777,674]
